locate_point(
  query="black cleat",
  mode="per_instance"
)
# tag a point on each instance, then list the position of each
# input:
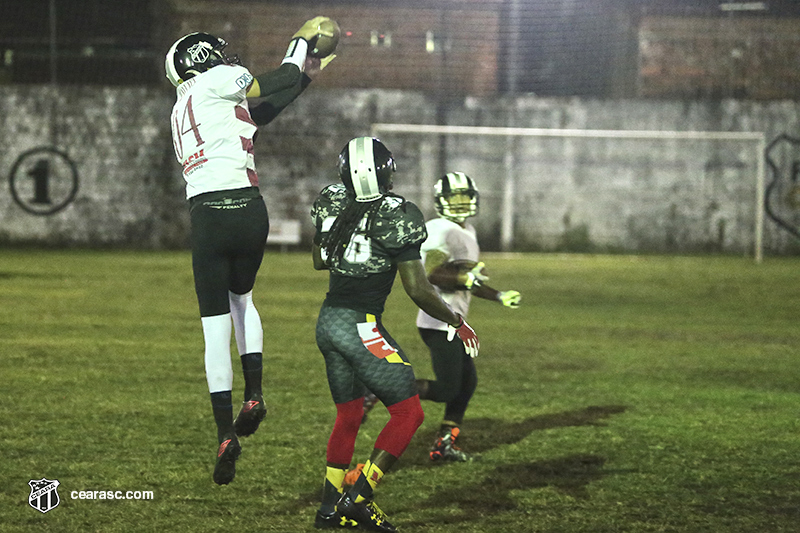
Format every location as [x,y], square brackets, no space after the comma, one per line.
[445,449]
[366,514]
[370,400]
[225,469]
[250,416]
[332,521]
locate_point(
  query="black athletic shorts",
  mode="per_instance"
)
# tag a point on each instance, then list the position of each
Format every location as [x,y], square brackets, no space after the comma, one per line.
[360,354]
[229,234]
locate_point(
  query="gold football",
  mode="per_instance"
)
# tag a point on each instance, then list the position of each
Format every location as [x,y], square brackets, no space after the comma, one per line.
[327,40]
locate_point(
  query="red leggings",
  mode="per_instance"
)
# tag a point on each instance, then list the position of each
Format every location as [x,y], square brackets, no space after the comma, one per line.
[406,417]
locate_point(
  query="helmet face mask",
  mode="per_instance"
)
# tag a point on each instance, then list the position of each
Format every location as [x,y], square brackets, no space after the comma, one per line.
[366,167]
[456,196]
[194,54]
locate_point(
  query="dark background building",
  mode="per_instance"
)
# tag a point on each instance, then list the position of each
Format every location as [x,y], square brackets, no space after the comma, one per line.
[596,48]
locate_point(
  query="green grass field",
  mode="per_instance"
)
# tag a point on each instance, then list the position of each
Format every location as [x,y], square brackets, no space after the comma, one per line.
[634,394]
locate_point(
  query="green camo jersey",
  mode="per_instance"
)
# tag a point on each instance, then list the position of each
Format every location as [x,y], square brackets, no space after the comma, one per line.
[363,278]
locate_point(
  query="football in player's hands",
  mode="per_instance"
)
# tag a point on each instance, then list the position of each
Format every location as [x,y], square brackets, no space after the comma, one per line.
[465,265]
[444,275]
[327,39]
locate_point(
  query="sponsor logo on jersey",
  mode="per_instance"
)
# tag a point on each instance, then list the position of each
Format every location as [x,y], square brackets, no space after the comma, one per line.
[194,161]
[244,81]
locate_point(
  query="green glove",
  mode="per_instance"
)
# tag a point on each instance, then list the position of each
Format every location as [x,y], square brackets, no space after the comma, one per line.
[509,298]
[475,277]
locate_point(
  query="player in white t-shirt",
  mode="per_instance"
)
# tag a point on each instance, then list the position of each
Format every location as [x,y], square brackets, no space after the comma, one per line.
[451,257]
[213,130]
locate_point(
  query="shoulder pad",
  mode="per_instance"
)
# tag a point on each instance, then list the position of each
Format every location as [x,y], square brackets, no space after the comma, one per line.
[229,80]
[334,190]
[328,203]
[399,223]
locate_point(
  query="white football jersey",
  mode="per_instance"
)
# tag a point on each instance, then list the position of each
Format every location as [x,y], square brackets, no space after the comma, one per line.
[458,244]
[212,131]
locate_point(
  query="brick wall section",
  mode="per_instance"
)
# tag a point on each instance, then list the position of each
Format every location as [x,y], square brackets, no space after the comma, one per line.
[754,58]
[260,33]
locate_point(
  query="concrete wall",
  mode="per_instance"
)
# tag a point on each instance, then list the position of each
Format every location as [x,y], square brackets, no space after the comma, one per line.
[648,196]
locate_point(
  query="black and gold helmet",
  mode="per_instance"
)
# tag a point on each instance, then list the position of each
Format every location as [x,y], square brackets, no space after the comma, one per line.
[194,54]
[456,197]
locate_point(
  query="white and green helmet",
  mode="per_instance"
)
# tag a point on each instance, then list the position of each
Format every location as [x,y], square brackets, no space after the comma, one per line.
[456,197]
[366,167]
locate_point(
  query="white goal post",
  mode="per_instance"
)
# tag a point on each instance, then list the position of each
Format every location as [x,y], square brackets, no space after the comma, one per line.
[758,139]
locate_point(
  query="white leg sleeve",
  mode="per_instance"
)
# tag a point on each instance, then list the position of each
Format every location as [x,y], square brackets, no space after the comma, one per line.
[247,323]
[217,334]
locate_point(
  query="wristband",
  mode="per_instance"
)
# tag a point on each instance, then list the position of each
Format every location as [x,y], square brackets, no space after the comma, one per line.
[297,52]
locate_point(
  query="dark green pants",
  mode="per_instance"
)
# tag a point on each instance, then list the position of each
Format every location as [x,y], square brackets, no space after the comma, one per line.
[360,354]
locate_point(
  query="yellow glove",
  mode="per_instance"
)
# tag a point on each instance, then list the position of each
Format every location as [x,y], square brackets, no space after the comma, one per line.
[509,298]
[325,60]
[310,29]
[475,277]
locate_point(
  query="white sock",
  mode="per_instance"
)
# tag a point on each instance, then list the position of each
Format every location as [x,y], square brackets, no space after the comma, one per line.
[247,323]
[217,334]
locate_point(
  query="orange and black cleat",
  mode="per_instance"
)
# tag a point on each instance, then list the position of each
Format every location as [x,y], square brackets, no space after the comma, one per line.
[250,416]
[445,449]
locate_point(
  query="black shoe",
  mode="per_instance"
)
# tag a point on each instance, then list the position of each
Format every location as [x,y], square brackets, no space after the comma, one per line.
[370,400]
[444,448]
[331,521]
[366,514]
[225,469]
[250,416]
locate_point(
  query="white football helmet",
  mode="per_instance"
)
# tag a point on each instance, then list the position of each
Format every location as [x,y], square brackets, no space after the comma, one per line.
[366,167]
[456,197]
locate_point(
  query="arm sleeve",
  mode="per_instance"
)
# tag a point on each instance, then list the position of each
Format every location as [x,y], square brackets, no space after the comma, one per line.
[282,78]
[264,112]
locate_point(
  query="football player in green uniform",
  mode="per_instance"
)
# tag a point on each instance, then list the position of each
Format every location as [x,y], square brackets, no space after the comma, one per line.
[364,236]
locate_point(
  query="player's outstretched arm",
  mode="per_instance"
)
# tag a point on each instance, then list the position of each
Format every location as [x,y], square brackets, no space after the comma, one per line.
[466,275]
[290,74]
[419,289]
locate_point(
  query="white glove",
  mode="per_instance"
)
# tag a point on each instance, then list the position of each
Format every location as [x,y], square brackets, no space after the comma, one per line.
[475,278]
[509,298]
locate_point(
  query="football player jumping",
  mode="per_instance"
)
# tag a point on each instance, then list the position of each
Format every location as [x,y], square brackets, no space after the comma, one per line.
[213,130]
[364,236]
[450,255]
